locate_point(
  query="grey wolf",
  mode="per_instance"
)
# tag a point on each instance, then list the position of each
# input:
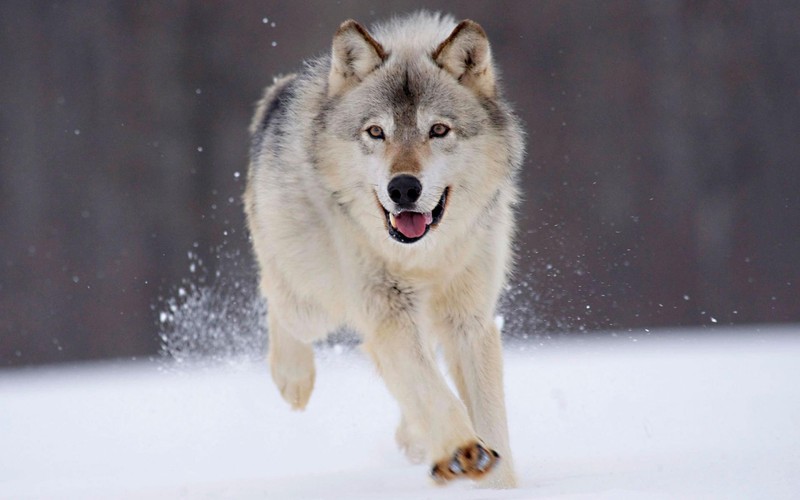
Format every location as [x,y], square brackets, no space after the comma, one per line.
[380,195]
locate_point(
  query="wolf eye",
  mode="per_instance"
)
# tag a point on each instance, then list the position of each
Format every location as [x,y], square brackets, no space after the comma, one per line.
[439,130]
[376,132]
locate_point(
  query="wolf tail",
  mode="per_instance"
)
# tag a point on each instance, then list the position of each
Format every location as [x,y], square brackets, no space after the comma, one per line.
[275,97]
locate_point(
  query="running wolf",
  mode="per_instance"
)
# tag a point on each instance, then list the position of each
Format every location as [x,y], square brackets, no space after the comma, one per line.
[380,196]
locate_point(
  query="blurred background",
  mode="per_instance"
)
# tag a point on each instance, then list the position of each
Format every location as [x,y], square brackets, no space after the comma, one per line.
[662,180]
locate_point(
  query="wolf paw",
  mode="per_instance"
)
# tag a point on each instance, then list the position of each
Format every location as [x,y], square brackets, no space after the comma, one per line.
[297,392]
[472,461]
[409,443]
[295,380]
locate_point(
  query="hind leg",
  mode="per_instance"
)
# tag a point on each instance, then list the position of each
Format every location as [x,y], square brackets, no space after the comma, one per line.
[411,441]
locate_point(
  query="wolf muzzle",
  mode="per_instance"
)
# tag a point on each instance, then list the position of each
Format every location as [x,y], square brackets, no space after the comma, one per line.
[407,224]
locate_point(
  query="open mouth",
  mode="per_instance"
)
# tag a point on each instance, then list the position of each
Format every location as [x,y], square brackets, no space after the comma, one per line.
[409,227]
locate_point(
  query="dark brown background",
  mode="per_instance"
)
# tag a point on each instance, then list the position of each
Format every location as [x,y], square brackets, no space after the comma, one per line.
[662,180]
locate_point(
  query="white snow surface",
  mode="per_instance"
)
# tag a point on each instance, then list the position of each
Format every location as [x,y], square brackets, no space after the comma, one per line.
[689,414]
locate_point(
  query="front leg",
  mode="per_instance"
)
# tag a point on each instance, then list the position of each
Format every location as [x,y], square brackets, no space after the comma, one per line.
[291,363]
[474,357]
[407,365]
[462,312]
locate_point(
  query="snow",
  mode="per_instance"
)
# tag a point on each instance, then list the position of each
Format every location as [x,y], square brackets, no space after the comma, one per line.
[688,414]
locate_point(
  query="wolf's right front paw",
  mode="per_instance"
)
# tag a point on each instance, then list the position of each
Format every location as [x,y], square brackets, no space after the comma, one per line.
[472,461]
[294,378]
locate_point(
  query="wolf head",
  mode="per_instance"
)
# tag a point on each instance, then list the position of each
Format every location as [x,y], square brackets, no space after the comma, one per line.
[418,141]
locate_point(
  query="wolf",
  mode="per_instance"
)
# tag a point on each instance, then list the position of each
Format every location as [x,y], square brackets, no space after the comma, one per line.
[381,196]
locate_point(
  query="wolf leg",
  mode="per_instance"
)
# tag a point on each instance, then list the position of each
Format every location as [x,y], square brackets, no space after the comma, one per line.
[291,363]
[474,356]
[409,439]
[409,370]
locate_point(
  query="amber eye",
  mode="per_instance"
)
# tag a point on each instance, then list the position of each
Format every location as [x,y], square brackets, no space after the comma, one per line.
[376,132]
[439,130]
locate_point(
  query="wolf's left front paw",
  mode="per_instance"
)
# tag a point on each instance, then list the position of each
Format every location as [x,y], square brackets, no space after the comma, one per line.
[472,461]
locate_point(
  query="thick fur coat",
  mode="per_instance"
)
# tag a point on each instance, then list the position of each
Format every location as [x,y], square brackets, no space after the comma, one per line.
[380,196]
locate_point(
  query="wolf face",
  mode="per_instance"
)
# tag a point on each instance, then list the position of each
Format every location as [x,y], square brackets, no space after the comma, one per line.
[417,132]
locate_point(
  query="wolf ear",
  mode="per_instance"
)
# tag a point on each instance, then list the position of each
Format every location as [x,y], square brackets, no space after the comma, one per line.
[466,55]
[355,54]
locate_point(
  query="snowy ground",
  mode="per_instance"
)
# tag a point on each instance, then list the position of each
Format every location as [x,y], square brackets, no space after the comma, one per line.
[671,415]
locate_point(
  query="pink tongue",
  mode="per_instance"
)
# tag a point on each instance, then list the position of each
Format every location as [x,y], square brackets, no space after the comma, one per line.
[411,224]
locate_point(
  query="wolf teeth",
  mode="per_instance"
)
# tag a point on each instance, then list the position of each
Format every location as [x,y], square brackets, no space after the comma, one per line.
[392,220]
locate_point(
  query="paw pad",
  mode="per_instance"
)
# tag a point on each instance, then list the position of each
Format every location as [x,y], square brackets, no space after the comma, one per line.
[472,461]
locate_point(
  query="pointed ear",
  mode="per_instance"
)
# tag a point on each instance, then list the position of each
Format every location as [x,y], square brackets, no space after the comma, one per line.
[355,54]
[466,55]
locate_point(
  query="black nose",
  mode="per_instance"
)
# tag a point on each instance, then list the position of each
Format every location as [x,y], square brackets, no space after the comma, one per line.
[404,189]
